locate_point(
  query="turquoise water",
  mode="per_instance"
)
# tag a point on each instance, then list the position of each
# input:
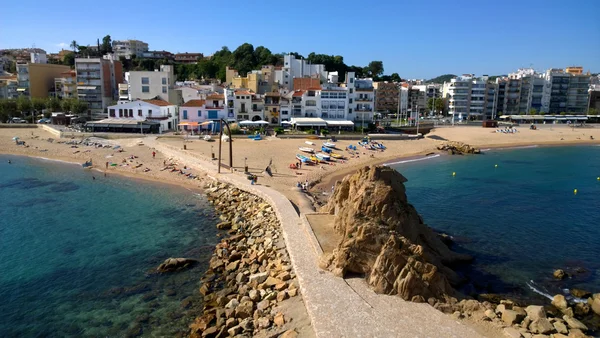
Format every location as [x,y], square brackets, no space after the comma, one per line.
[521,219]
[76,254]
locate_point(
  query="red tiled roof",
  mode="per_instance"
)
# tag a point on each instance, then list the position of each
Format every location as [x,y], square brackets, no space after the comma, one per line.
[298,93]
[160,103]
[194,103]
[244,92]
[215,96]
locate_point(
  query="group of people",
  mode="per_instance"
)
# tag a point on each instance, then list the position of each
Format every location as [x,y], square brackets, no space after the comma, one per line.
[304,186]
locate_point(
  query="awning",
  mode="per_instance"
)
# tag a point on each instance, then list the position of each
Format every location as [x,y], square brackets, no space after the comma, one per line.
[21,89]
[188,124]
[309,121]
[86,87]
[205,123]
[339,123]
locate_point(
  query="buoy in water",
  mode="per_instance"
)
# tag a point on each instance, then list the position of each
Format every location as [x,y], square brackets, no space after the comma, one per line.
[453,174]
[496,166]
[597,178]
[575,191]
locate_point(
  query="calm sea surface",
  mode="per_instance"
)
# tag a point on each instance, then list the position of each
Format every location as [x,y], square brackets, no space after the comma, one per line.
[521,219]
[76,254]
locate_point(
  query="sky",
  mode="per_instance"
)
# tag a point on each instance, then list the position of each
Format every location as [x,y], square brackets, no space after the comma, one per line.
[416,39]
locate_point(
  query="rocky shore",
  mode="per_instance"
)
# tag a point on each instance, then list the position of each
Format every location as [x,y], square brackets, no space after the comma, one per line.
[458,148]
[384,239]
[250,271]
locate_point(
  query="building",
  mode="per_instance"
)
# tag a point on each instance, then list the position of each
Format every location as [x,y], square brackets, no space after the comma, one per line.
[188,57]
[294,68]
[426,92]
[8,86]
[574,70]
[387,96]
[242,104]
[63,53]
[306,83]
[158,54]
[230,73]
[361,98]
[272,109]
[97,83]
[39,58]
[145,85]
[458,92]
[192,114]
[220,106]
[565,92]
[65,87]
[128,48]
[159,111]
[37,79]
[257,81]
[334,103]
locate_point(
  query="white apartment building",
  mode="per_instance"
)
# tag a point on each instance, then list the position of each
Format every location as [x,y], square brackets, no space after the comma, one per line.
[147,110]
[403,99]
[127,48]
[146,85]
[334,103]
[361,98]
[242,105]
[294,68]
[97,83]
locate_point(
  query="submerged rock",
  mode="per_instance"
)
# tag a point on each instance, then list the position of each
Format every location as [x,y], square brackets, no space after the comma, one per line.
[385,239]
[175,264]
[559,274]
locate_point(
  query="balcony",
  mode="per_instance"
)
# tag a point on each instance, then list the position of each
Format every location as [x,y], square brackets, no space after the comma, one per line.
[364,89]
[363,99]
[257,109]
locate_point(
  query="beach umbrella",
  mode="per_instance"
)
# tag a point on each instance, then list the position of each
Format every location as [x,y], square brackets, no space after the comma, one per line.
[286,122]
[261,122]
[15,138]
[246,122]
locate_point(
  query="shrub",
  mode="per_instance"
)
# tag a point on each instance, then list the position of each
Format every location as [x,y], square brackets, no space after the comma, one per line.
[310,131]
[279,130]
[324,132]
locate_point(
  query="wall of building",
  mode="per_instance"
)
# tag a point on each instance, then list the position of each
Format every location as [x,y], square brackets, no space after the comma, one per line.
[41,78]
[160,84]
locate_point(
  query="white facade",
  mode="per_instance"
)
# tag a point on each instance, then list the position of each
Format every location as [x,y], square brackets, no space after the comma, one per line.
[127,48]
[294,68]
[39,58]
[145,85]
[403,99]
[361,98]
[334,103]
[242,105]
[154,110]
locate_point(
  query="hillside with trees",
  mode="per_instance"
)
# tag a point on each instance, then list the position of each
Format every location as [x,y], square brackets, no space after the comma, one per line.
[442,78]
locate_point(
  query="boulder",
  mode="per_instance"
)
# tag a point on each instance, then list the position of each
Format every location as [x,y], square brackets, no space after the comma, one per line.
[574,323]
[580,293]
[279,319]
[594,303]
[560,327]
[263,322]
[511,332]
[175,264]
[384,238]
[491,314]
[244,310]
[511,317]
[581,309]
[535,312]
[560,302]
[289,334]
[541,325]
[258,277]
[559,274]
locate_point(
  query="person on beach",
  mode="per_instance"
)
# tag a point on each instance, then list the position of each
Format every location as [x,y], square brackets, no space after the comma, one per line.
[106,165]
[153,154]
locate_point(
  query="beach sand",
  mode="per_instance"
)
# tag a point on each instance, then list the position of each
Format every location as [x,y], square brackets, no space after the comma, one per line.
[281,152]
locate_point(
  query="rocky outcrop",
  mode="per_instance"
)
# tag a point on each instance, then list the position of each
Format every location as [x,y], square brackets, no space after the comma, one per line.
[385,239]
[175,264]
[458,148]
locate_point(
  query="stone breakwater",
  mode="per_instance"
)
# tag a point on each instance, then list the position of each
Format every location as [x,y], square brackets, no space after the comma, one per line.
[458,148]
[249,272]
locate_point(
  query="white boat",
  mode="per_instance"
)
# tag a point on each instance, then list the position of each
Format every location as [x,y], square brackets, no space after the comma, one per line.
[309,143]
[323,157]
[329,144]
[207,137]
[306,149]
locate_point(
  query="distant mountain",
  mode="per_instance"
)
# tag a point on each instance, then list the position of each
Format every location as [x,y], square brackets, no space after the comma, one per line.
[442,78]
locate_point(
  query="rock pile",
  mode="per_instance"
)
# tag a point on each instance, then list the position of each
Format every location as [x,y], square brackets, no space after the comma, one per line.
[249,273]
[384,238]
[458,148]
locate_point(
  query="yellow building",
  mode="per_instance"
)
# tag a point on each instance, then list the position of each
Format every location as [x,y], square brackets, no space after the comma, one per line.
[230,74]
[37,79]
[254,81]
[574,70]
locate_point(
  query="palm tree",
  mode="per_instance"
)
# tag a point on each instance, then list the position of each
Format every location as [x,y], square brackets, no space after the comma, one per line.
[74,45]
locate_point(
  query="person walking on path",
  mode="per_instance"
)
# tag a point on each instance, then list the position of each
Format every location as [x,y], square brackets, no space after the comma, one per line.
[154,154]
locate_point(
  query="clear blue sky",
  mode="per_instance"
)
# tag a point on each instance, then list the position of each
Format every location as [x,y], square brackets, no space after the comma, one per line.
[417,39]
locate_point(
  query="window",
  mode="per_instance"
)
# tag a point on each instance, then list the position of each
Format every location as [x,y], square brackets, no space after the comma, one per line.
[130,112]
[199,113]
[149,112]
[139,112]
[164,80]
[349,110]
[145,80]
[120,112]
[351,80]
[111,112]
[351,90]
[185,117]
[164,89]
[350,100]
[145,89]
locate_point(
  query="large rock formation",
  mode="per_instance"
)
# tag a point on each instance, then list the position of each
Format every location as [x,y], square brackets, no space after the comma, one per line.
[384,238]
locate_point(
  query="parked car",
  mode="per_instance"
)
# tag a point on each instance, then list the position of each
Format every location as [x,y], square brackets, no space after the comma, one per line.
[45,121]
[17,120]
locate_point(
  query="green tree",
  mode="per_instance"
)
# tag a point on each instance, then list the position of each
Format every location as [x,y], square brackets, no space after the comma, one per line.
[79,107]
[263,56]
[440,104]
[75,46]
[395,77]
[38,104]
[375,68]
[66,105]
[23,104]
[106,46]
[533,111]
[69,60]
[593,111]
[8,109]
[243,59]
[53,104]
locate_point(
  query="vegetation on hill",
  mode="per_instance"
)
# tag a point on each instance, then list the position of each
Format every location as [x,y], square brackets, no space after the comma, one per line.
[442,78]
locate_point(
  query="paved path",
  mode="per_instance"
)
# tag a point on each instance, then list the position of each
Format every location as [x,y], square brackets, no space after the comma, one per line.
[337,307]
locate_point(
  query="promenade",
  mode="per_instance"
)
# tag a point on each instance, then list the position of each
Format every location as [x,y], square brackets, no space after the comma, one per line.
[337,307]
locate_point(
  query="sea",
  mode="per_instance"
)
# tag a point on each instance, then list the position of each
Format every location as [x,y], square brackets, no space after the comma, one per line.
[520,212]
[78,252]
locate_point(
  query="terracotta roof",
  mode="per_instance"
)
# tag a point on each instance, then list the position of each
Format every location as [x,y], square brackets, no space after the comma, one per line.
[244,92]
[298,93]
[215,96]
[161,103]
[314,88]
[194,103]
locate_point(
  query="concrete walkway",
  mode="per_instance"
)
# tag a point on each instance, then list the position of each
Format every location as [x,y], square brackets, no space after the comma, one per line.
[337,307]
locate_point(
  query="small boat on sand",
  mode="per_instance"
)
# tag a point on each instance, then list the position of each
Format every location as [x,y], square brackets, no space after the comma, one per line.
[323,157]
[336,155]
[309,143]
[329,144]
[302,158]
[306,150]
[314,159]
[325,149]
[207,138]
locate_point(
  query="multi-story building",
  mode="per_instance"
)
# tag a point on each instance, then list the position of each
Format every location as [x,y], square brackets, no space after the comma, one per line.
[160,84]
[257,110]
[272,107]
[256,81]
[8,86]
[37,79]
[387,96]
[147,110]
[565,92]
[335,103]
[242,104]
[361,98]
[426,92]
[404,87]
[458,92]
[65,87]
[293,68]
[97,83]
[127,48]
[158,54]
[188,57]
[574,70]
